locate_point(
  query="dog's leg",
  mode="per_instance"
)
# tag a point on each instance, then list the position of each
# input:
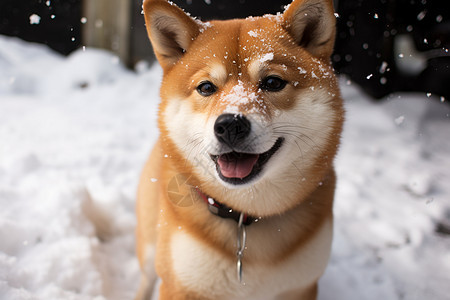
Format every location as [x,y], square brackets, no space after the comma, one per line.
[145,288]
[148,275]
[167,292]
[143,291]
[147,215]
[304,294]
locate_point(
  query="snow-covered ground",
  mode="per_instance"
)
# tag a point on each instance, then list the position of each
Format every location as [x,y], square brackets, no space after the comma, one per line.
[75,131]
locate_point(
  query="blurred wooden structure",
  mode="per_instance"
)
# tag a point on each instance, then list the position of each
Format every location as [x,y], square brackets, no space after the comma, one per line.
[118,26]
[106,25]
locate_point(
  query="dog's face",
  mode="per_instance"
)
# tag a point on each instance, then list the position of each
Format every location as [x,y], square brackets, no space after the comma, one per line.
[249,106]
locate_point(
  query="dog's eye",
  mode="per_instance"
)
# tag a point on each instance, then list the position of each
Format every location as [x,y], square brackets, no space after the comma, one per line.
[272,84]
[206,88]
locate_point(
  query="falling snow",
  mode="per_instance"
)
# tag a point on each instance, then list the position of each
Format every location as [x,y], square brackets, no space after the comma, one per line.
[399,120]
[75,132]
[35,19]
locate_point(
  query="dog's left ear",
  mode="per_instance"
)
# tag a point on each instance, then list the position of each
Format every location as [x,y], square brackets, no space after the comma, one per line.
[170,30]
[312,24]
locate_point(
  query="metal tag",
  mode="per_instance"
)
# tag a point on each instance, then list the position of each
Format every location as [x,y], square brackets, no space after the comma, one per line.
[241,239]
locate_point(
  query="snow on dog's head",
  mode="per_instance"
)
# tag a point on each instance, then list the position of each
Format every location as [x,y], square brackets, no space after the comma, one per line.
[249,105]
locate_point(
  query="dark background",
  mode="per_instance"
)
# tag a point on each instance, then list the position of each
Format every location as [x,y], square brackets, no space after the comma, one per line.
[56,32]
[363,43]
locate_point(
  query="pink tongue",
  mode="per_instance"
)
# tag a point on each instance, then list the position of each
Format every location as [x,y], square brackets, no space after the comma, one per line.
[234,166]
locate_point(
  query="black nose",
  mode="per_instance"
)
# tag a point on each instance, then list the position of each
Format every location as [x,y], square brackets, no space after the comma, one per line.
[232,129]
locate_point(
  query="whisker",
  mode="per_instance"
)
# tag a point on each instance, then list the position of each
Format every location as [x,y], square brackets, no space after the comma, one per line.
[195,141]
[300,136]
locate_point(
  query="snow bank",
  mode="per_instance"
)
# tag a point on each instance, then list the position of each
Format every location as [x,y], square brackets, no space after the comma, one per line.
[392,193]
[74,135]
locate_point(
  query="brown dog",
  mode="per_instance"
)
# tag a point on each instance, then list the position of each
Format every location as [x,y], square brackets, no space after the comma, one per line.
[235,201]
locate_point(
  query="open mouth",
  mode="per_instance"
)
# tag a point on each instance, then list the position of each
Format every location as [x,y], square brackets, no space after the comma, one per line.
[239,168]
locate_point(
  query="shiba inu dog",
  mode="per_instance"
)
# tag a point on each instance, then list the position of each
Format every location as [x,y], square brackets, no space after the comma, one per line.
[235,201]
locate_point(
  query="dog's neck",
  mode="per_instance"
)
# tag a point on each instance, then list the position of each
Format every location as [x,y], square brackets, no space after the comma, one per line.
[224,211]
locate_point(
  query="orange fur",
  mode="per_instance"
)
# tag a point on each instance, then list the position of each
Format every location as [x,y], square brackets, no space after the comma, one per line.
[294,202]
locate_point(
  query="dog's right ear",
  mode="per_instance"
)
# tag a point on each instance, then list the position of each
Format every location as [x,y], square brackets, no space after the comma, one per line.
[170,30]
[312,25]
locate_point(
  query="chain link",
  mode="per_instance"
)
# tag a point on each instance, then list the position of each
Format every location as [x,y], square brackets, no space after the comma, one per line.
[241,239]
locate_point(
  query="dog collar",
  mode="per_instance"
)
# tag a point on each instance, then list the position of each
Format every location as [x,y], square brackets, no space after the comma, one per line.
[224,211]
[242,219]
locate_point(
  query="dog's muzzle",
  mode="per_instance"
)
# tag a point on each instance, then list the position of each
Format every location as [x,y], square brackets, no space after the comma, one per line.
[238,166]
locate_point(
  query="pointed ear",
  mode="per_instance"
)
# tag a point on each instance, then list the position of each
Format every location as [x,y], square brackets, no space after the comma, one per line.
[170,30]
[312,24]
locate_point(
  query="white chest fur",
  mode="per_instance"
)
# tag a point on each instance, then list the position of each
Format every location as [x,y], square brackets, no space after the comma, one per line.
[208,272]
